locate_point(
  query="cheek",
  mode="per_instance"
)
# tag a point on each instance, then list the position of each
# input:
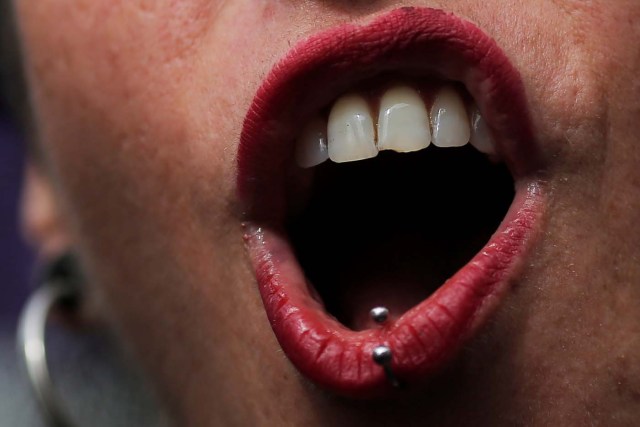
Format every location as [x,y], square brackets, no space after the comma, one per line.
[577,60]
[139,110]
[142,95]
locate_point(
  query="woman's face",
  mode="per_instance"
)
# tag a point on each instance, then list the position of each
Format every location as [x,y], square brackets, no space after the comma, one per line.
[140,108]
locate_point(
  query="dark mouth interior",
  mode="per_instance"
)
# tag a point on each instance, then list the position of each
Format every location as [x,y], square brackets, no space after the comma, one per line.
[389,231]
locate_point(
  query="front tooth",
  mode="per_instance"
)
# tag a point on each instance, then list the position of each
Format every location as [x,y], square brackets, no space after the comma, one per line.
[350,130]
[311,148]
[403,123]
[480,135]
[449,119]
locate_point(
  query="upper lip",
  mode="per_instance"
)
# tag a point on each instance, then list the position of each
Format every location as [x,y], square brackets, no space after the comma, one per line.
[316,71]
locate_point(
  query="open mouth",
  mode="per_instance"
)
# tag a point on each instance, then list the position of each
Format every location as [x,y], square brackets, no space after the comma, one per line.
[401,178]
[395,196]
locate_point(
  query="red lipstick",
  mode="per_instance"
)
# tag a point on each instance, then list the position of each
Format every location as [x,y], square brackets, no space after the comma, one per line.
[428,336]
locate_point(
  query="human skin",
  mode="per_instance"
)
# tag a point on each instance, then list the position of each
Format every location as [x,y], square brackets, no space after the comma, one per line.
[139,106]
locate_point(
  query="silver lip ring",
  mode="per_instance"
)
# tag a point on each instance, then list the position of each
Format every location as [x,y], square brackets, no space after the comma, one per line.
[32,348]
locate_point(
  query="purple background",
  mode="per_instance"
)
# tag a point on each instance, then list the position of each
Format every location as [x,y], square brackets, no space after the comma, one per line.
[15,259]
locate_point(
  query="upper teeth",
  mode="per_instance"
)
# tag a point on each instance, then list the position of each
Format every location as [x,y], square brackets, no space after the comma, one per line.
[312,145]
[351,131]
[480,134]
[404,125]
[449,119]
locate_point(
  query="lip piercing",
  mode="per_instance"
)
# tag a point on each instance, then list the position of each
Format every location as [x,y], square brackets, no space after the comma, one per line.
[382,356]
[379,314]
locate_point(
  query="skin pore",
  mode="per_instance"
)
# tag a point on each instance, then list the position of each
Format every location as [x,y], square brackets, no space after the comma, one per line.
[138,106]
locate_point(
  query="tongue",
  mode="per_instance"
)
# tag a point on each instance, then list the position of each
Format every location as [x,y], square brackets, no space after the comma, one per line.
[392,292]
[392,271]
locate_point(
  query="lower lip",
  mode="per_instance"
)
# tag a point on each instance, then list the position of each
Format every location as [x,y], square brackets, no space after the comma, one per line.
[423,340]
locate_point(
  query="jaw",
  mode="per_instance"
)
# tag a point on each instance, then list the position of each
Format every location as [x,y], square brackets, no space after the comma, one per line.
[326,247]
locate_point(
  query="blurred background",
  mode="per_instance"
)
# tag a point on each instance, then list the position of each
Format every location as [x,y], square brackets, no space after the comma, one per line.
[15,258]
[16,406]
[98,386]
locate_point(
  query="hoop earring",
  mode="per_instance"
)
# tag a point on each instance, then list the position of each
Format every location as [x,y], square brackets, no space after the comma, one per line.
[59,288]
